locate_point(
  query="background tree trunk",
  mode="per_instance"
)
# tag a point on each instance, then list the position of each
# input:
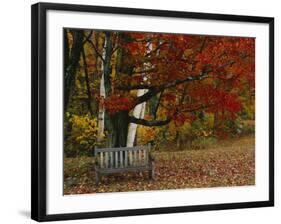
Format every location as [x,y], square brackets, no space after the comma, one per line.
[89,94]
[102,97]
[73,63]
[105,86]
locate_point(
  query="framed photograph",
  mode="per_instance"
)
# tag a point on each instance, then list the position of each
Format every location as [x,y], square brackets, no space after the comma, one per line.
[140,111]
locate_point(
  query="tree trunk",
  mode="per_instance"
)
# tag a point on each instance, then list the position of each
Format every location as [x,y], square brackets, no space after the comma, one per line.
[101,110]
[117,124]
[102,97]
[104,123]
[119,131]
[216,123]
[177,138]
[89,94]
[107,82]
[138,113]
[66,50]
[73,62]
[107,59]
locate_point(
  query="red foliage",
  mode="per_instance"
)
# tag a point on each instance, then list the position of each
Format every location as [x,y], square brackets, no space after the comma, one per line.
[227,62]
[216,99]
[179,119]
[169,97]
[117,103]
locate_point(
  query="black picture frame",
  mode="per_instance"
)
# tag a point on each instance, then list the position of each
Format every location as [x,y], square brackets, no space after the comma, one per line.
[39,107]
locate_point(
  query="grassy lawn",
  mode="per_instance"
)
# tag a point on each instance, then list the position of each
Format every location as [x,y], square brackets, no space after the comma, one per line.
[228,163]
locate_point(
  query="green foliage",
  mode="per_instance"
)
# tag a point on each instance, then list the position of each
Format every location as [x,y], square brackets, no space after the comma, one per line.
[203,142]
[239,127]
[248,111]
[195,134]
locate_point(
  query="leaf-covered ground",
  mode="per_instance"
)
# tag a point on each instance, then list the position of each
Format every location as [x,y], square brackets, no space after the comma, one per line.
[229,163]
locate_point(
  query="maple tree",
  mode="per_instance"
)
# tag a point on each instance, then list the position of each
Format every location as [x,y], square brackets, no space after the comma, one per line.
[193,73]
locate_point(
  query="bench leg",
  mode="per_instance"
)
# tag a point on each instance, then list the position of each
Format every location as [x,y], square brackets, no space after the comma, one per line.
[151,172]
[97,180]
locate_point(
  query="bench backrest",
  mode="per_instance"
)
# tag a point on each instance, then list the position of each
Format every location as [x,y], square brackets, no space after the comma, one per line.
[109,158]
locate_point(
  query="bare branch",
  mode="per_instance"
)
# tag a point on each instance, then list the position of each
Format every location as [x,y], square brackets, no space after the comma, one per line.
[156,49]
[87,37]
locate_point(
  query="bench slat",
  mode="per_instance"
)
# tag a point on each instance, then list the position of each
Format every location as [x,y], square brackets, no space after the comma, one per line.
[140,162]
[105,159]
[146,157]
[122,149]
[137,158]
[121,158]
[131,153]
[116,159]
[101,160]
[111,159]
[126,158]
[134,158]
[141,157]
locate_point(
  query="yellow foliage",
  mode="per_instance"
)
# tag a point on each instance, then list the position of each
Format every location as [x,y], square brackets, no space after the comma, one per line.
[147,134]
[84,129]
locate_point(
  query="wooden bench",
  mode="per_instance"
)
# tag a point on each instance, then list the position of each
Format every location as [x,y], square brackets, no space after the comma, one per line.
[124,159]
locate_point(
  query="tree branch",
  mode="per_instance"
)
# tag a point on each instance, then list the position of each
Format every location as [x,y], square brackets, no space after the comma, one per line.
[139,86]
[150,93]
[203,44]
[155,90]
[87,38]
[202,76]
[149,123]
[156,49]
[145,71]
[152,123]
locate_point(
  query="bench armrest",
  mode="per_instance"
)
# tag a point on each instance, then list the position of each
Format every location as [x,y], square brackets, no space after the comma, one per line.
[151,157]
[96,162]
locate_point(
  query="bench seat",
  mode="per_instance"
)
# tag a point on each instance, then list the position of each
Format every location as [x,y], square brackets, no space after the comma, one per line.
[123,159]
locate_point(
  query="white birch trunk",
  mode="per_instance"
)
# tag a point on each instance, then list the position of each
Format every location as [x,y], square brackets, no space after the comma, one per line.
[102,95]
[138,112]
